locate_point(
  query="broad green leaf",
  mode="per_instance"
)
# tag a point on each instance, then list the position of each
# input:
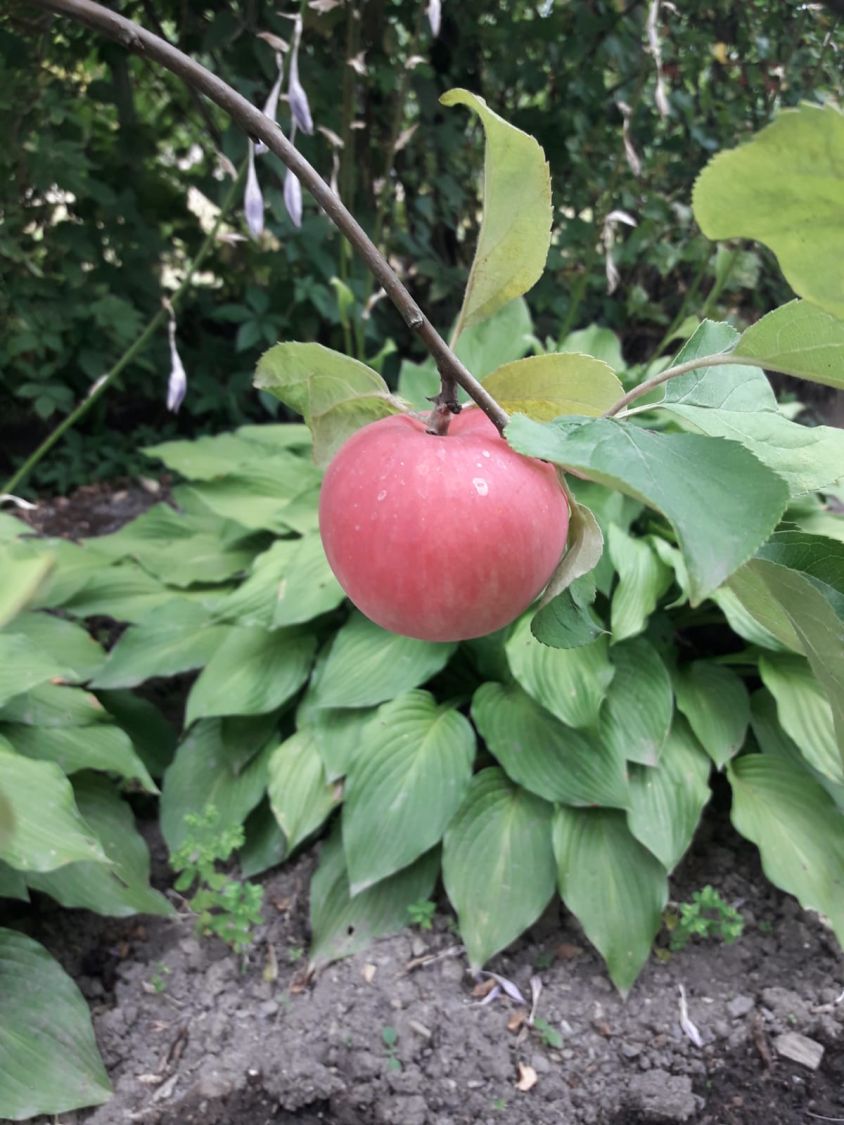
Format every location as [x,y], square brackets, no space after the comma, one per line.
[300,796]
[568,620]
[252,672]
[253,601]
[75,566]
[537,751]
[368,665]
[54,705]
[47,830]
[206,458]
[49,1061]
[546,386]
[420,382]
[12,882]
[804,711]
[25,665]
[602,343]
[309,588]
[258,495]
[405,785]
[784,188]
[121,889]
[10,527]
[335,394]
[339,736]
[163,645]
[265,845]
[741,388]
[715,702]
[666,803]
[797,829]
[818,557]
[97,746]
[613,885]
[22,579]
[609,508]
[342,925]
[124,591]
[642,580]
[498,865]
[800,339]
[742,621]
[282,435]
[636,716]
[772,739]
[516,227]
[66,641]
[570,683]
[692,480]
[502,338]
[152,736]
[584,547]
[202,774]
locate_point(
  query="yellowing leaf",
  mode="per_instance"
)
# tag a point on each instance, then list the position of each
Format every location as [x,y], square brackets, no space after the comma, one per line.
[546,386]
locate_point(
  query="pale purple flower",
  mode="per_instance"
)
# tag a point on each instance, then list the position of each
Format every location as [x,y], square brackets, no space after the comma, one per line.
[293,198]
[296,95]
[608,239]
[434,14]
[178,383]
[655,48]
[253,200]
[271,106]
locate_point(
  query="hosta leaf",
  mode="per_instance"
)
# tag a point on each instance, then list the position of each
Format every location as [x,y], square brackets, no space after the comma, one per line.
[498,865]
[502,338]
[23,577]
[152,736]
[300,795]
[784,188]
[368,665]
[404,786]
[818,557]
[47,829]
[342,925]
[98,746]
[772,739]
[613,885]
[308,589]
[12,882]
[66,642]
[339,736]
[121,889]
[202,775]
[804,711]
[160,646]
[799,338]
[666,803]
[546,386]
[124,592]
[691,479]
[74,567]
[516,227]
[265,845]
[252,672]
[206,457]
[642,580]
[595,340]
[335,394]
[25,665]
[54,705]
[537,751]
[636,717]
[715,702]
[49,1061]
[570,683]
[797,828]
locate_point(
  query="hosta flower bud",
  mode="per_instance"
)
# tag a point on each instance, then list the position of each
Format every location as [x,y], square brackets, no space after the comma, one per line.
[295,91]
[178,383]
[253,200]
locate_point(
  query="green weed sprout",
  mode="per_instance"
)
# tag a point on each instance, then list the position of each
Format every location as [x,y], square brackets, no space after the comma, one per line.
[707,915]
[421,913]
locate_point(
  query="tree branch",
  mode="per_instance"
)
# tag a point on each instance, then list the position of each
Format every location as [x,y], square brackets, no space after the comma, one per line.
[259,127]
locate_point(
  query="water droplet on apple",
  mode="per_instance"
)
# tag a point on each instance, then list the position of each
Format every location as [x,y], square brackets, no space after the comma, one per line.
[486,453]
[382,495]
[481,486]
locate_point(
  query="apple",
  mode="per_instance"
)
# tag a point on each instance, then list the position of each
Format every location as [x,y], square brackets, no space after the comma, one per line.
[441,538]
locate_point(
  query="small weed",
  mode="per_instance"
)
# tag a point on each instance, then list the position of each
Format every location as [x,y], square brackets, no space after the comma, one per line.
[158,980]
[548,1034]
[544,959]
[499,1104]
[421,913]
[766,927]
[390,1037]
[224,906]
[295,953]
[707,915]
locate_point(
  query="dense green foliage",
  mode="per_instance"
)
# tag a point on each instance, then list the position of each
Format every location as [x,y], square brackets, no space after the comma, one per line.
[101,190]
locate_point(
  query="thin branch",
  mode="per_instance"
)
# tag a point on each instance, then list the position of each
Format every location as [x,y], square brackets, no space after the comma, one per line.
[258,126]
[683,369]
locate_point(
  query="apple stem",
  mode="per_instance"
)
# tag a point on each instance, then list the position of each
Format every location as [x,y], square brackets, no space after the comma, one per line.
[258,126]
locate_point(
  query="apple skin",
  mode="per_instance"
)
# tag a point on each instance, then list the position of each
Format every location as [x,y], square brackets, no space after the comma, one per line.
[441,538]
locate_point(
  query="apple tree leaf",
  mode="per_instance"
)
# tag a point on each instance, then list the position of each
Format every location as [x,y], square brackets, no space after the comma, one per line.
[800,339]
[547,386]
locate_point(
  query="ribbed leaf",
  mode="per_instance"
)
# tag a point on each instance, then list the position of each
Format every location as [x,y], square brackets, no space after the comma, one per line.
[642,579]
[159,647]
[65,641]
[715,701]
[24,665]
[300,796]
[804,711]
[98,746]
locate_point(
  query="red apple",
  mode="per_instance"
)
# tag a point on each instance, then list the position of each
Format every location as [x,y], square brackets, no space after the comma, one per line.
[440,538]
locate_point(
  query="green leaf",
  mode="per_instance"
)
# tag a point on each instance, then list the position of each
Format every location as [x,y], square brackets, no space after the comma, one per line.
[24,665]
[772,739]
[75,567]
[537,751]
[546,386]
[203,774]
[784,188]
[265,845]
[163,645]
[602,343]
[206,458]
[335,394]
[47,830]
[307,588]
[300,796]
[516,228]
[153,737]
[66,641]
[368,665]
[49,1061]
[642,580]
[338,734]
[258,495]
[502,338]
[12,882]
[119,890]
[252,672]
[715,702]
[818,557]
[570,683]
[568,620]
[584,547]
[98,746]
[613,885]
[54,705]
[342,925]
[800,339]
[742,621]
[405,785]
[22,579]
[738,389]
[797,829]
[124,592]
[636,717]
[691,479]
[498,866]
[666,803]
[804,711]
